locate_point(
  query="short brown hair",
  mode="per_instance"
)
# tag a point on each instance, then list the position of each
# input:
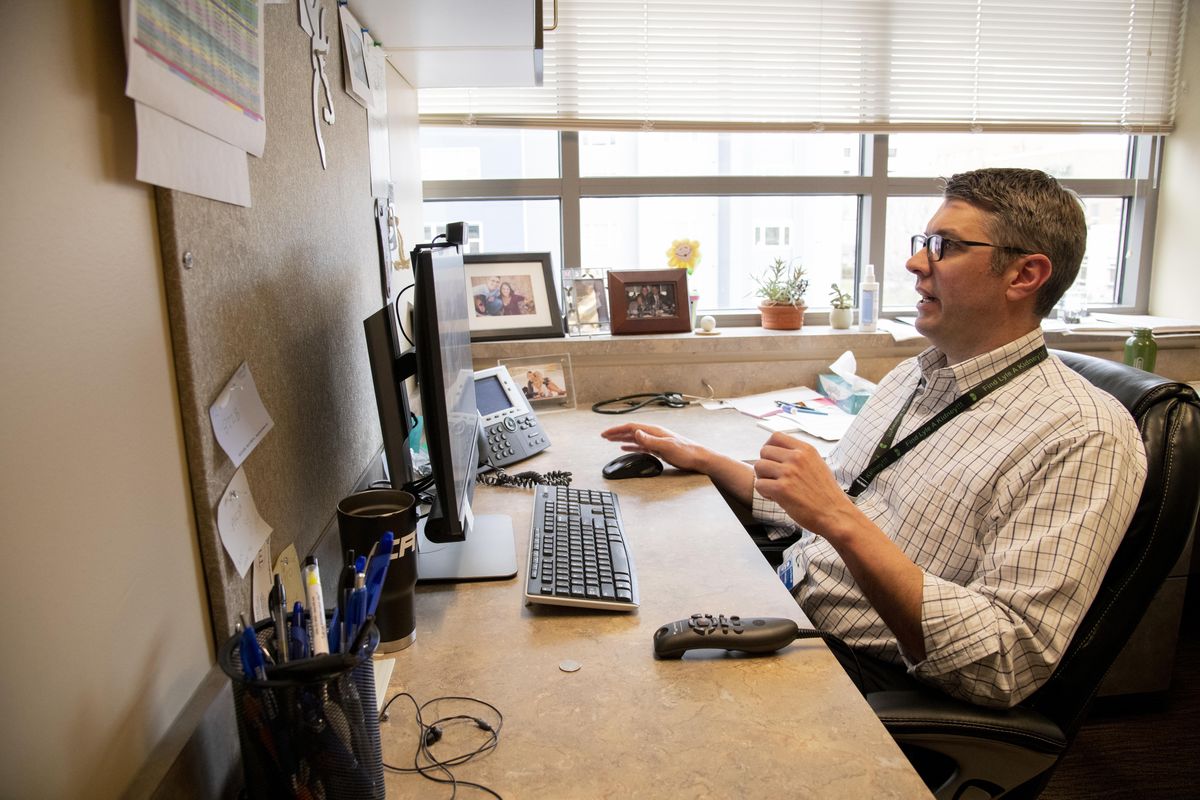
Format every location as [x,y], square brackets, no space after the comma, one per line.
[1030,210]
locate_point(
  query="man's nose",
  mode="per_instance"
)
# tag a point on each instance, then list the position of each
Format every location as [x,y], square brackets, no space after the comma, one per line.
[918,264]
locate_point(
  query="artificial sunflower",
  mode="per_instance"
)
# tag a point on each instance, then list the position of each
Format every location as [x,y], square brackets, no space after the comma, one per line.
[683,254]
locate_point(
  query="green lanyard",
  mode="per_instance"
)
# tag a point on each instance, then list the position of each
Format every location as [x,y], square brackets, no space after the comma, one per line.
[886,454]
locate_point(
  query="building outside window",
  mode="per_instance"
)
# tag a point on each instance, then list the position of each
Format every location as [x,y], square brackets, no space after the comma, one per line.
[616,200]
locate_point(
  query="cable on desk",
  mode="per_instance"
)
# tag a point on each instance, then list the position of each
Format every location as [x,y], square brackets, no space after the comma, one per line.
[432,732]
[498,477]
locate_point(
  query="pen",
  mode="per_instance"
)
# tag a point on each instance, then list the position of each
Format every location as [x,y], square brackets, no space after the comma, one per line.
[318,635]
[798,408]
[277,604]
[345,585]
[358,600]
[252,660]
[297,635]
[377,567]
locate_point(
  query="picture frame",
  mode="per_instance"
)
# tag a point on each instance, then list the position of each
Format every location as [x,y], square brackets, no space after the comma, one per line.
[546,381]
[527,310]
[649,301]
[587,305]
[358,84]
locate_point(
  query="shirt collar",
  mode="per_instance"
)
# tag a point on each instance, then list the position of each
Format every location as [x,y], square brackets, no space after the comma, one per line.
[965,374]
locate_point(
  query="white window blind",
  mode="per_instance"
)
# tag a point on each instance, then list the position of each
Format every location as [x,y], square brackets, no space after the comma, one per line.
[848,65]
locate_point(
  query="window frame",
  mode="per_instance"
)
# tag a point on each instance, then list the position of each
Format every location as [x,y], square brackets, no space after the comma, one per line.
[1138,189]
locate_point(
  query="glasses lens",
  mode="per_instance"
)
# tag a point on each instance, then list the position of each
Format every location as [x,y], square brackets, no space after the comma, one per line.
[935,248]
[918,244]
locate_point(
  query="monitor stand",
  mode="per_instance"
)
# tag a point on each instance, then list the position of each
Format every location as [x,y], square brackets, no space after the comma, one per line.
[488,553]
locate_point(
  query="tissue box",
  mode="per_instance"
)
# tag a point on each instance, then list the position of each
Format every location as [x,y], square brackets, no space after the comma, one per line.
[839,390]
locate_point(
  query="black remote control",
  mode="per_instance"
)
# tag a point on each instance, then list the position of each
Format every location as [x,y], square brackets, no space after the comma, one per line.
[701,631]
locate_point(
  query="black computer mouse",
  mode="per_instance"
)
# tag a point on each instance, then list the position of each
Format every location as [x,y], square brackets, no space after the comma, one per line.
[632,465]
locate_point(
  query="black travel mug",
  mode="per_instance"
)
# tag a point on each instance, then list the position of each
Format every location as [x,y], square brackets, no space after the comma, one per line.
[363,518]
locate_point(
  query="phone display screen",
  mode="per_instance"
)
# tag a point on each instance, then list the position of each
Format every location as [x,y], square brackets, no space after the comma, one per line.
[490,396]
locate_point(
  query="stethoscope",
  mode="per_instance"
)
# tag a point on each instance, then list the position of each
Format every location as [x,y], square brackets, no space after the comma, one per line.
[632,402]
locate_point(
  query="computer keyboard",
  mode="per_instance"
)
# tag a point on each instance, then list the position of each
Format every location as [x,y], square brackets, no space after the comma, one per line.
[577,551]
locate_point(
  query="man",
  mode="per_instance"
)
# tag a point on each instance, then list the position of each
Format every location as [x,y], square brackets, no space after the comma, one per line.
[971,557]
[492,302]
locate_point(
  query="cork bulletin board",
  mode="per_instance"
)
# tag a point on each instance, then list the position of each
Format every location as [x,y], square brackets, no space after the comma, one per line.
[284,286]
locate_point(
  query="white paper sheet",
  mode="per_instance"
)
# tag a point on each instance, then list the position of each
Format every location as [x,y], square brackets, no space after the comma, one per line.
[242,530]
[239,419]
[763,405]
[831,427]
[900,329]
[178,156]
[200,65]
[260,582]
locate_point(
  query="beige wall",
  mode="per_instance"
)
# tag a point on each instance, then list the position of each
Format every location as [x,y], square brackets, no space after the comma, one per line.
[1175,287]
[107,631]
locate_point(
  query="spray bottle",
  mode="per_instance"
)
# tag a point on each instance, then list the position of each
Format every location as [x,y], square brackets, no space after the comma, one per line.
[868,298]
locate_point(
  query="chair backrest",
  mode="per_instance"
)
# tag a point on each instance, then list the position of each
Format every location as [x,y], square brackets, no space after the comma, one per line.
[1168,415]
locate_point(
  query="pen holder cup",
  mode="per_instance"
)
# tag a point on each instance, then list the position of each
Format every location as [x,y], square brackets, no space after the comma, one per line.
[363,518]
[312,728]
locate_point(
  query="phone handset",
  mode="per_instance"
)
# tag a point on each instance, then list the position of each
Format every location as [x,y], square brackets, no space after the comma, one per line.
[509,430]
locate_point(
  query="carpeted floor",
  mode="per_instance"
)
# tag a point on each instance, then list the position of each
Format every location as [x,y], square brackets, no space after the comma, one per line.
[1143,747]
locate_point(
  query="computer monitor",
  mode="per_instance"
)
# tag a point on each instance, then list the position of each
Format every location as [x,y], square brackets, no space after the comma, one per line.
[453,542]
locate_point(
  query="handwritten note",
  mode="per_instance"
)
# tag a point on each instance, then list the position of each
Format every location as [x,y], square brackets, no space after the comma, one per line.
[242,530]
[239,419]
[260,581]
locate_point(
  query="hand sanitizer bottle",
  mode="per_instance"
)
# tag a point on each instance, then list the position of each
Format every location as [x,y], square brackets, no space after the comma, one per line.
[868,298]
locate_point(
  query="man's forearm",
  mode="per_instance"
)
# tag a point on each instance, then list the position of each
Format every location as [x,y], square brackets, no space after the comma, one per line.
[734,477]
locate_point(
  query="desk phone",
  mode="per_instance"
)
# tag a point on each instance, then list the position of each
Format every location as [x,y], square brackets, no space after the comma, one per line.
[509,431]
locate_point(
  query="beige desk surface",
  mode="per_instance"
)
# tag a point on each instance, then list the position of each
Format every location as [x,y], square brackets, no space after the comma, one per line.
[712,725]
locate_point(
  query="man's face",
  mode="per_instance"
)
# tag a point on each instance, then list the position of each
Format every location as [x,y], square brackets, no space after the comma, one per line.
[493,283]
[962,301]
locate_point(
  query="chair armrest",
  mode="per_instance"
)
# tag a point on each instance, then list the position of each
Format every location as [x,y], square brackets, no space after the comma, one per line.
[925,713]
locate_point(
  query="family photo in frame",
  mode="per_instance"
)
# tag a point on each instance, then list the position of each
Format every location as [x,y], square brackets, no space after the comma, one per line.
[546,381]
[649,301]
[511,296]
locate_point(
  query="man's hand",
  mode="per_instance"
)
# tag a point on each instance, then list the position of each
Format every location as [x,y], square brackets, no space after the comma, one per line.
[793,474]
[676,450]
[731,475]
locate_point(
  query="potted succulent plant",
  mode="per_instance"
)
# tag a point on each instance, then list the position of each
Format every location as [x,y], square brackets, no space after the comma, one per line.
[781,289]
[841,313]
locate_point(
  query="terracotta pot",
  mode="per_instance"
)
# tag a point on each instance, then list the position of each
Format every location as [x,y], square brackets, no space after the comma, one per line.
[782,316]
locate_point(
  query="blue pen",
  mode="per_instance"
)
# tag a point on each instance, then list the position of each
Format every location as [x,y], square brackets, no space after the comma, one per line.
[252,661]
[377,566]
[298,633]
[798,408]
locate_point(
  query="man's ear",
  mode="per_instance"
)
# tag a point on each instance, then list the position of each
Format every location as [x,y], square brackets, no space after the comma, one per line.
[1030,274]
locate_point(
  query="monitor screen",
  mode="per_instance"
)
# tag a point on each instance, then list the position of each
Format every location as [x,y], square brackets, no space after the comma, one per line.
[446,379]
[453,543]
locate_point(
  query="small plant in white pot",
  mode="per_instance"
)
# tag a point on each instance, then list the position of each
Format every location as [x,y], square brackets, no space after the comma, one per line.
[841,313]
[781,291]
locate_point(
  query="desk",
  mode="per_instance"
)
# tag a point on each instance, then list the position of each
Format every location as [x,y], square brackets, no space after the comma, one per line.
[626,725]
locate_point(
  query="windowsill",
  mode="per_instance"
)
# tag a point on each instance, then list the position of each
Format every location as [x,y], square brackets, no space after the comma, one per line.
[748,360]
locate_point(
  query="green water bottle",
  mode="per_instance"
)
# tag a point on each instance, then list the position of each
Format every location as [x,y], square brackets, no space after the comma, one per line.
[1141,350]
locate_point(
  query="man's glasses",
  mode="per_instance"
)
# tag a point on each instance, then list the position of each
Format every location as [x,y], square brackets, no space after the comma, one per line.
[936,244]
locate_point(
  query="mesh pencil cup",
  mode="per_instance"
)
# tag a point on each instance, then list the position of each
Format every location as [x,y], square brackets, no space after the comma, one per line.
[311,729]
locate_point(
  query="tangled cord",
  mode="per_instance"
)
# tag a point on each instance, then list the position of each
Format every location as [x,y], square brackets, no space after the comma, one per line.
[430,733]
[498,477]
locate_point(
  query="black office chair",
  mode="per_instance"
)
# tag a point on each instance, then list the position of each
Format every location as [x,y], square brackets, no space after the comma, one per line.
[964,751]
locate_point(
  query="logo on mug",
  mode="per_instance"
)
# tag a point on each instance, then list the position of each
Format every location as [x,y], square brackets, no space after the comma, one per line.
[403,545]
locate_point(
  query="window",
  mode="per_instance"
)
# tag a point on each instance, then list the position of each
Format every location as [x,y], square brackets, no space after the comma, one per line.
[750,198]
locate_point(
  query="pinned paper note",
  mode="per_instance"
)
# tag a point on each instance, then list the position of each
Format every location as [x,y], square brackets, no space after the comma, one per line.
[242,530]
[239,419]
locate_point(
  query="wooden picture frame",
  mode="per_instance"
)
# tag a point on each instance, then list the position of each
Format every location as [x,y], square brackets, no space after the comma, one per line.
[528,310]
[649,301]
